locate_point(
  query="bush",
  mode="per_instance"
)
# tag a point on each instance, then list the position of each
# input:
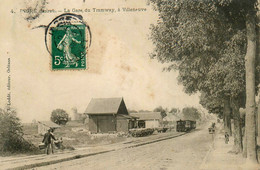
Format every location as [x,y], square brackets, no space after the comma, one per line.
[59,116]
[141,132]
[11,133]
[191,113]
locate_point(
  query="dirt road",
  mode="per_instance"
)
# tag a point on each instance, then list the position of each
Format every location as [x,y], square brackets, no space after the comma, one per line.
[184,152]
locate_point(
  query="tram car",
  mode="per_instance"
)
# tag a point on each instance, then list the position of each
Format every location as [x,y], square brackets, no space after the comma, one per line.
[185,125]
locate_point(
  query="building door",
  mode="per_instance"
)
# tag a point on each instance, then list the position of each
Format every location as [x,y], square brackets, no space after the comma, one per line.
[102,126]
[105,125]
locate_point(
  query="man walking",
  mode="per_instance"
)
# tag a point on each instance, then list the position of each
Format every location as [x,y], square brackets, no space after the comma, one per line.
[47,140]
[226,137]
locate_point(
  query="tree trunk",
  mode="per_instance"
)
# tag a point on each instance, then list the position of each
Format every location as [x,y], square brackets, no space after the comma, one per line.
[244,136]
[250,88]
[258,124]
[245,143]
[237,127]
[258,56]
[227,117]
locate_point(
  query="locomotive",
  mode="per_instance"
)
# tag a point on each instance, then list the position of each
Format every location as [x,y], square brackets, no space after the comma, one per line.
[185,125]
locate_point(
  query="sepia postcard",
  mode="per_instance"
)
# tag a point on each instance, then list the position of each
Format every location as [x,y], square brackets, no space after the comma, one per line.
[80,88]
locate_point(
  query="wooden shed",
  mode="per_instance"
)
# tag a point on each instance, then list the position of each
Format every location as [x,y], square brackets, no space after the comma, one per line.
[44,126]
[148,119]
[108,115]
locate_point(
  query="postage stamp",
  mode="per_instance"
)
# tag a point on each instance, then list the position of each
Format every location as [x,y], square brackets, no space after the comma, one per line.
[67,40]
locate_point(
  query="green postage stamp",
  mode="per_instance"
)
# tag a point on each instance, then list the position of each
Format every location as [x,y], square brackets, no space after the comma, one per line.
[68,39]
[68,47]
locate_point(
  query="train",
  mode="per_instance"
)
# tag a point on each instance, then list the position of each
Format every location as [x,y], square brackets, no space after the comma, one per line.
[185,125]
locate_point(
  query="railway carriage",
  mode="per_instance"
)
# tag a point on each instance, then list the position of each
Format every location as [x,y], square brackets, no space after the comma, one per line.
[185,125]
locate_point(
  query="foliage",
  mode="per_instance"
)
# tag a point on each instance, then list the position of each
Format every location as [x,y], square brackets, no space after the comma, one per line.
[141,132]
[191,113]
[161,110]
[212,104]
[227,76]
[11,133]
[59,116]
[190,35]
[174,111]
[206,41]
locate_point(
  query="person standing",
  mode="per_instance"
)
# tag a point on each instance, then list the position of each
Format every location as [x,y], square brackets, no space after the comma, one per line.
[47,140]
[52,141]
[226,137]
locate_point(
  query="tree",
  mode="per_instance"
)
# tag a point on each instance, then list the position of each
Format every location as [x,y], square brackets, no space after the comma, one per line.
[191,113]
[191,41]
[11,133]
[226,79]
[161,110]
[212,104]
[174,111]
[59,116]
[190,36]
[245,11]
[257,59]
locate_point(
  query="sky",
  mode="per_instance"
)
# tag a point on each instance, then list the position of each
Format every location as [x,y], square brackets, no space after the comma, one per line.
[118,62]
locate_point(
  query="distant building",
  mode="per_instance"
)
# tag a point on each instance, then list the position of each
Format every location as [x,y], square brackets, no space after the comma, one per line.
[78,116]
[148,119]
[107,115]
[44,126]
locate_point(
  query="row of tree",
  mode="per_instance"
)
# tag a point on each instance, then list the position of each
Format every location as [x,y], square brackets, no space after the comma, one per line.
[213,44]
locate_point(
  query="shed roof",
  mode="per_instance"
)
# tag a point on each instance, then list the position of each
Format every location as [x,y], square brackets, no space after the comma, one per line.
[147,115]
[128,116]
[104,105]
[49,124]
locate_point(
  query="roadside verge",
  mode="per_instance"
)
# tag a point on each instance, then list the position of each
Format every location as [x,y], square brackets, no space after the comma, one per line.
[44,160]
